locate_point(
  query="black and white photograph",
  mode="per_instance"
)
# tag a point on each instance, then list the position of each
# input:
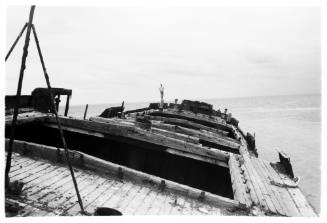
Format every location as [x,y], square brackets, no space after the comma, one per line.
[162,110]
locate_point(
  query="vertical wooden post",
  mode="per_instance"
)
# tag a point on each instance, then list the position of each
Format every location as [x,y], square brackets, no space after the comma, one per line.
[18,94]
[86,107]
[67,105]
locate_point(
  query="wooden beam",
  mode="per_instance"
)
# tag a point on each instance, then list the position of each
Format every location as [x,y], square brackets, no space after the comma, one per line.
[210,137]
[194,118]
[67,105]
[133,142]
[27,117]
[186,123]
[142,135]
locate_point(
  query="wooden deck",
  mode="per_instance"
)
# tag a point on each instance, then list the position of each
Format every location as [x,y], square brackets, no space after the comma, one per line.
[48,190]
[256,183]
[258,187]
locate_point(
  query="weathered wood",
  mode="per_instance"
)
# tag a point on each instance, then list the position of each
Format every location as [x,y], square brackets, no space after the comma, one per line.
[239,187]
[146,136]
[135,203]
[186,134]
[185,123]
[267,187]
[194,118]
[86,193]
[179,136]
[137,110]
[282,209]
[106,167]
[218,139]
[67,105]
[120,194]
[85,112]
[111,189]
[261,192]
[197,157]
[302,204]
[251,186]
[29,117]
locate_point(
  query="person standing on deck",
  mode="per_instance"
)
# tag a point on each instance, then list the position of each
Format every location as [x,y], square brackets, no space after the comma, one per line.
[161,89]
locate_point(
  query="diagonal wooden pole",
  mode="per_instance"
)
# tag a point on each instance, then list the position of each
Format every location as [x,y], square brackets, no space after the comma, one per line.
[16,41]
[18,94]
[57,119]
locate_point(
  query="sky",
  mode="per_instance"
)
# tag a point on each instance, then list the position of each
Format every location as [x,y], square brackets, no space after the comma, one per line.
[111,54]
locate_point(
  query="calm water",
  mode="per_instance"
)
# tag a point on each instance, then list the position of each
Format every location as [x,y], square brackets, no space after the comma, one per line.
[289,123]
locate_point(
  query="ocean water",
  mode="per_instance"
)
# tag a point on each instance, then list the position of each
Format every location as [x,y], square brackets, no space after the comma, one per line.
[288,123]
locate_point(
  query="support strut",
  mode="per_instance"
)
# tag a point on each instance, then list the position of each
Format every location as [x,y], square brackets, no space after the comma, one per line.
[16,41]
[30,27]
[18,94]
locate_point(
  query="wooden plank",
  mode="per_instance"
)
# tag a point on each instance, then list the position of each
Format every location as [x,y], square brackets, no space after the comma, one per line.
[146,203]
[302,204]
[61,198]
[272,174]
[49,189]
[289,206]
[193,118]
[30,169]
[178,208]
[31,175]
[110,190]
[197,157]
[291,209]
[130,208]
[26,118]
[23,163]
[18,160]
[86,195]
[186,138]
[157,203]
[186,210]
[185,123]
[218,141]
[195,208]
[119,194]
[143,135]
[151,199]
[282,210]
[167,204]
[42,182]
[264,177]
[251,186]
[260,189]
[133,194]
[239,188]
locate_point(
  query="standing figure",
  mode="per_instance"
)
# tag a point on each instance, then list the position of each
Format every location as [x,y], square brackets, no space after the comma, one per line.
[161,89]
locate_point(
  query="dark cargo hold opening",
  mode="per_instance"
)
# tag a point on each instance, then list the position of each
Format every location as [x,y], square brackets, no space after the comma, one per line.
[140,156]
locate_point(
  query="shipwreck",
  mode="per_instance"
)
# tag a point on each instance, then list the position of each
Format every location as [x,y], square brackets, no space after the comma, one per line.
[168,158]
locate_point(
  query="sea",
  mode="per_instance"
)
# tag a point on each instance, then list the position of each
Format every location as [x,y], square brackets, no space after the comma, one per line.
[290,123]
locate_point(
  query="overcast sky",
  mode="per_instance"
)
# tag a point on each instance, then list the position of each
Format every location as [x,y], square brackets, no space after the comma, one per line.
[112,54]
